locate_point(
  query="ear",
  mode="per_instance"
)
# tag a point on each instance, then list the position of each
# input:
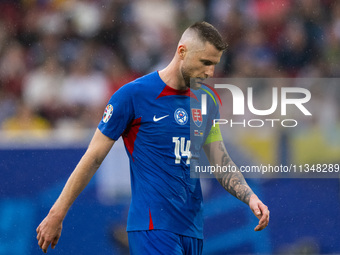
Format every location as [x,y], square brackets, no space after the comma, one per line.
[181,51]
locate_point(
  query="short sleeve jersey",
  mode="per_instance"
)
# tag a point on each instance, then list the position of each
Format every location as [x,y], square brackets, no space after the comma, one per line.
[155,122]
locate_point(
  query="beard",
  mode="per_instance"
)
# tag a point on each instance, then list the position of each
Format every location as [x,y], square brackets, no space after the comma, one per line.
[186,76]
[191,82]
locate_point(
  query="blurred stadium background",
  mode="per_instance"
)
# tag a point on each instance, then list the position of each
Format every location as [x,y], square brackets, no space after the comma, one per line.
[60,61]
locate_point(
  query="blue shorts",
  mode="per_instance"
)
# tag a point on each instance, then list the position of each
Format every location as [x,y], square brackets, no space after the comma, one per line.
[163,242]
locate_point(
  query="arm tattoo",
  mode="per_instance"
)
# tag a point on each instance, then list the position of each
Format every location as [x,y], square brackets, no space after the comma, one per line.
[233,182]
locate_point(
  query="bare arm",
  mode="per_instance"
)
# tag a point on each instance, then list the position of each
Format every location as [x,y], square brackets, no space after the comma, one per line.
[235,183]
[49,230]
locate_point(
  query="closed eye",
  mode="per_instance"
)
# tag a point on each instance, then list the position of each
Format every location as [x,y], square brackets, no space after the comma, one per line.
[207,62]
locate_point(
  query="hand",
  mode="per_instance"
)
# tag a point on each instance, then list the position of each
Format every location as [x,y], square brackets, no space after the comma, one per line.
[261,212]
[48,232]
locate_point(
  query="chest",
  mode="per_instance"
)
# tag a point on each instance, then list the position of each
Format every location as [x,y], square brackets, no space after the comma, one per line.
[168,119]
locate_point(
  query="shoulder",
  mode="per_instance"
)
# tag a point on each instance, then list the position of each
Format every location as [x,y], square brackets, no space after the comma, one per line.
[142,85]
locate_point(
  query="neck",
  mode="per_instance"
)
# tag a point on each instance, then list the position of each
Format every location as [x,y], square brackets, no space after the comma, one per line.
[172,76]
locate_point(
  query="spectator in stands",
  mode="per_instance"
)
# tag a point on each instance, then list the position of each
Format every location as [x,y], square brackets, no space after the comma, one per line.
[26,125]
[42,89]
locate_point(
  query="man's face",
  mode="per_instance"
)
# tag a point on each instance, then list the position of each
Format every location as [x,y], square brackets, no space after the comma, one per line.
[200,63]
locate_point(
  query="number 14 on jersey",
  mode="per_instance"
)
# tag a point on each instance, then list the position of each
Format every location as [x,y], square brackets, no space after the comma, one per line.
[182,149]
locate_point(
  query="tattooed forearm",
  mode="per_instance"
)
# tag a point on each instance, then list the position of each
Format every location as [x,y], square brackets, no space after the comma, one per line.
[226,160]
[233,182]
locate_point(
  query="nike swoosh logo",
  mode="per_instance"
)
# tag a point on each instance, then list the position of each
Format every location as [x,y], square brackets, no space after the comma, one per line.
[158,119]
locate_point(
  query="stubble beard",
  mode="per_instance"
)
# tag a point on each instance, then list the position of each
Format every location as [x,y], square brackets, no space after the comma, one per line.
[186,77]
[190,82]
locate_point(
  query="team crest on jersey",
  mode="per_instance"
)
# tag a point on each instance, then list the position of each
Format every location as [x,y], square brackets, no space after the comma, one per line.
[107,113]
[181,116]
[197,117]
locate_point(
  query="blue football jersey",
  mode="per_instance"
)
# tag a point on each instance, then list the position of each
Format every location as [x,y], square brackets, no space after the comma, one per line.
[155,122]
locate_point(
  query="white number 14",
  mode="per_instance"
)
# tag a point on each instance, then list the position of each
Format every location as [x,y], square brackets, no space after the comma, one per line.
[182,148]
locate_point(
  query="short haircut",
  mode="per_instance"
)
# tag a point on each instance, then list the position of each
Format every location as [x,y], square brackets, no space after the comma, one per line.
[208,33]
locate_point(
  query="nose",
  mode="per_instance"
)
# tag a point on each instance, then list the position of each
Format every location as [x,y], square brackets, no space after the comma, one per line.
[209,72]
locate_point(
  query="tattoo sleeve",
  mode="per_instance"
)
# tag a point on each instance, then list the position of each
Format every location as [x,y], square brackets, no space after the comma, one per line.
[233,182]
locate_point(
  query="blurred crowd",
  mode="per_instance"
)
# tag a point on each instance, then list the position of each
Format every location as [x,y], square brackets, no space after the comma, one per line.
[61,60]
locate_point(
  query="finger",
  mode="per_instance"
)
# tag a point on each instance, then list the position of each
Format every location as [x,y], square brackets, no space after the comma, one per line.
[45,246]
[264,220]
[264,210]
[38,229]
[259,209]
[257,212]
[258,228]
[265,217]
[55,242]
[41,242]
[38,236]
[262,225]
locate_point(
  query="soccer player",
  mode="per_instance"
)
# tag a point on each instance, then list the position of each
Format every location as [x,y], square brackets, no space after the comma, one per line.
[154,118]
